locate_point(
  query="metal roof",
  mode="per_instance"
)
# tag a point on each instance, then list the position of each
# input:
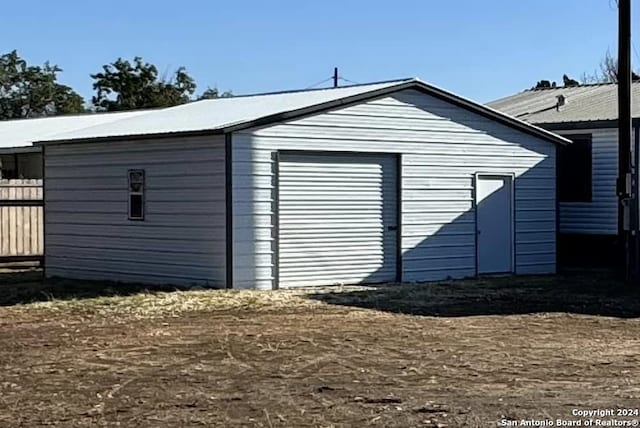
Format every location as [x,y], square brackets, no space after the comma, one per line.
[21,133]
[585,103]
[239,112]
[220,113]
[223,115]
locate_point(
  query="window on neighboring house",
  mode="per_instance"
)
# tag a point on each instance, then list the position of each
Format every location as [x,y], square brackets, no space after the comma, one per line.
[20,165]
[8,167]
[136,194]
[575,169]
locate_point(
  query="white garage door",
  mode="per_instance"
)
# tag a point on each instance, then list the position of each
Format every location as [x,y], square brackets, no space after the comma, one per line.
[337,219]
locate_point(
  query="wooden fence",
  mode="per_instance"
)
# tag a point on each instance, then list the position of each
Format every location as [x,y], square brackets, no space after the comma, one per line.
[21,221]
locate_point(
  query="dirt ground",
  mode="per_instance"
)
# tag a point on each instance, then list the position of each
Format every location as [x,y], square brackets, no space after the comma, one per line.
[455,354]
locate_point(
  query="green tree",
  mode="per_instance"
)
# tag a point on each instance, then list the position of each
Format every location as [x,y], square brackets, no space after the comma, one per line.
[212,93]
[125,86]
[33,91]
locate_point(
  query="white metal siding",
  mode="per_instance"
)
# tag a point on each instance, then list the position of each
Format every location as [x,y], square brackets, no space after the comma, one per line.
[337,216]
[600,216]
[180,241]
[442,147]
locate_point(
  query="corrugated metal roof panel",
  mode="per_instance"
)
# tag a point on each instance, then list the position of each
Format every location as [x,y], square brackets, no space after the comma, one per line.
[228,114]
[586,103]
[23,132]
[207,115]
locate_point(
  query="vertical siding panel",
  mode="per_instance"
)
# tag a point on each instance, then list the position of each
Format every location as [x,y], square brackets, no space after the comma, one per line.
[18,223]
[33,230]
[23,224]
[40,215]
[13,224]
[4,242]
[4,229]
[2,232]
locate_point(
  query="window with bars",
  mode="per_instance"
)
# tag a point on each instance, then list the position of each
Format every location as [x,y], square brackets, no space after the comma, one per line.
[136,194]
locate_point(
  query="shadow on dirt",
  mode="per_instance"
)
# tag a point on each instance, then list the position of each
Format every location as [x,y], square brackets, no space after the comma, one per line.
[582,293]
[19,287]
[589,293]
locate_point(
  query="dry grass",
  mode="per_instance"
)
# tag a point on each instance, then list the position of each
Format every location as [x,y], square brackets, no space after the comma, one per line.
[26,293]
[451,354]
[147,305]
[596,294]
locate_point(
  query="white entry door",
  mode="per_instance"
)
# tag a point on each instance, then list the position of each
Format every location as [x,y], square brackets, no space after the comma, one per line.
[494,223]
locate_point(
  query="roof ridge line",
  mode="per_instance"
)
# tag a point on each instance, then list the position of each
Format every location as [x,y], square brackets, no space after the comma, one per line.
[294,91]
[86,114]
[582,85]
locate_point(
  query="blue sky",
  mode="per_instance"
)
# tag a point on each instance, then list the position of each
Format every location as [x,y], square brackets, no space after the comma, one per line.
[480,49]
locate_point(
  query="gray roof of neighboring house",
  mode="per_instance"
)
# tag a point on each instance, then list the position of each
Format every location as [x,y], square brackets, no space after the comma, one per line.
[240,112]
[585,103]
[21,133]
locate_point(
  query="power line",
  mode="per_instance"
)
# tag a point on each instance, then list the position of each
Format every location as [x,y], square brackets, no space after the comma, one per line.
[343,79]
[633,45]
[319,83]
[348,81]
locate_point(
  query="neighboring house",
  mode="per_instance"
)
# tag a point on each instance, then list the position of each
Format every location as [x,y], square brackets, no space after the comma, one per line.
[587,169]
[20,159]
[392,181]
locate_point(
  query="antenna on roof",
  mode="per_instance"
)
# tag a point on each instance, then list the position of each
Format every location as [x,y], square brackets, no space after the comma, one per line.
[335,77]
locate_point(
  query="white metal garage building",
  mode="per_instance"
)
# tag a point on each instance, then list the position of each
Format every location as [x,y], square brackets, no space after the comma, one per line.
[393,181]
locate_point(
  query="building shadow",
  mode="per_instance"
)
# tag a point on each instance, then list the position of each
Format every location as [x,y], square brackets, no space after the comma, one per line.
[586,293]
[440,211]
[23,287]
[440,241]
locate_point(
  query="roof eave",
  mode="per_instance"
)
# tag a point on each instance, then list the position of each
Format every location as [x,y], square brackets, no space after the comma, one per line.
[136,137]
[584,124]
[18,150]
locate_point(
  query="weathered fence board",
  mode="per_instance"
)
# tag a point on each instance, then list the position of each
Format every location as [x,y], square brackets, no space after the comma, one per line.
[21,220]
